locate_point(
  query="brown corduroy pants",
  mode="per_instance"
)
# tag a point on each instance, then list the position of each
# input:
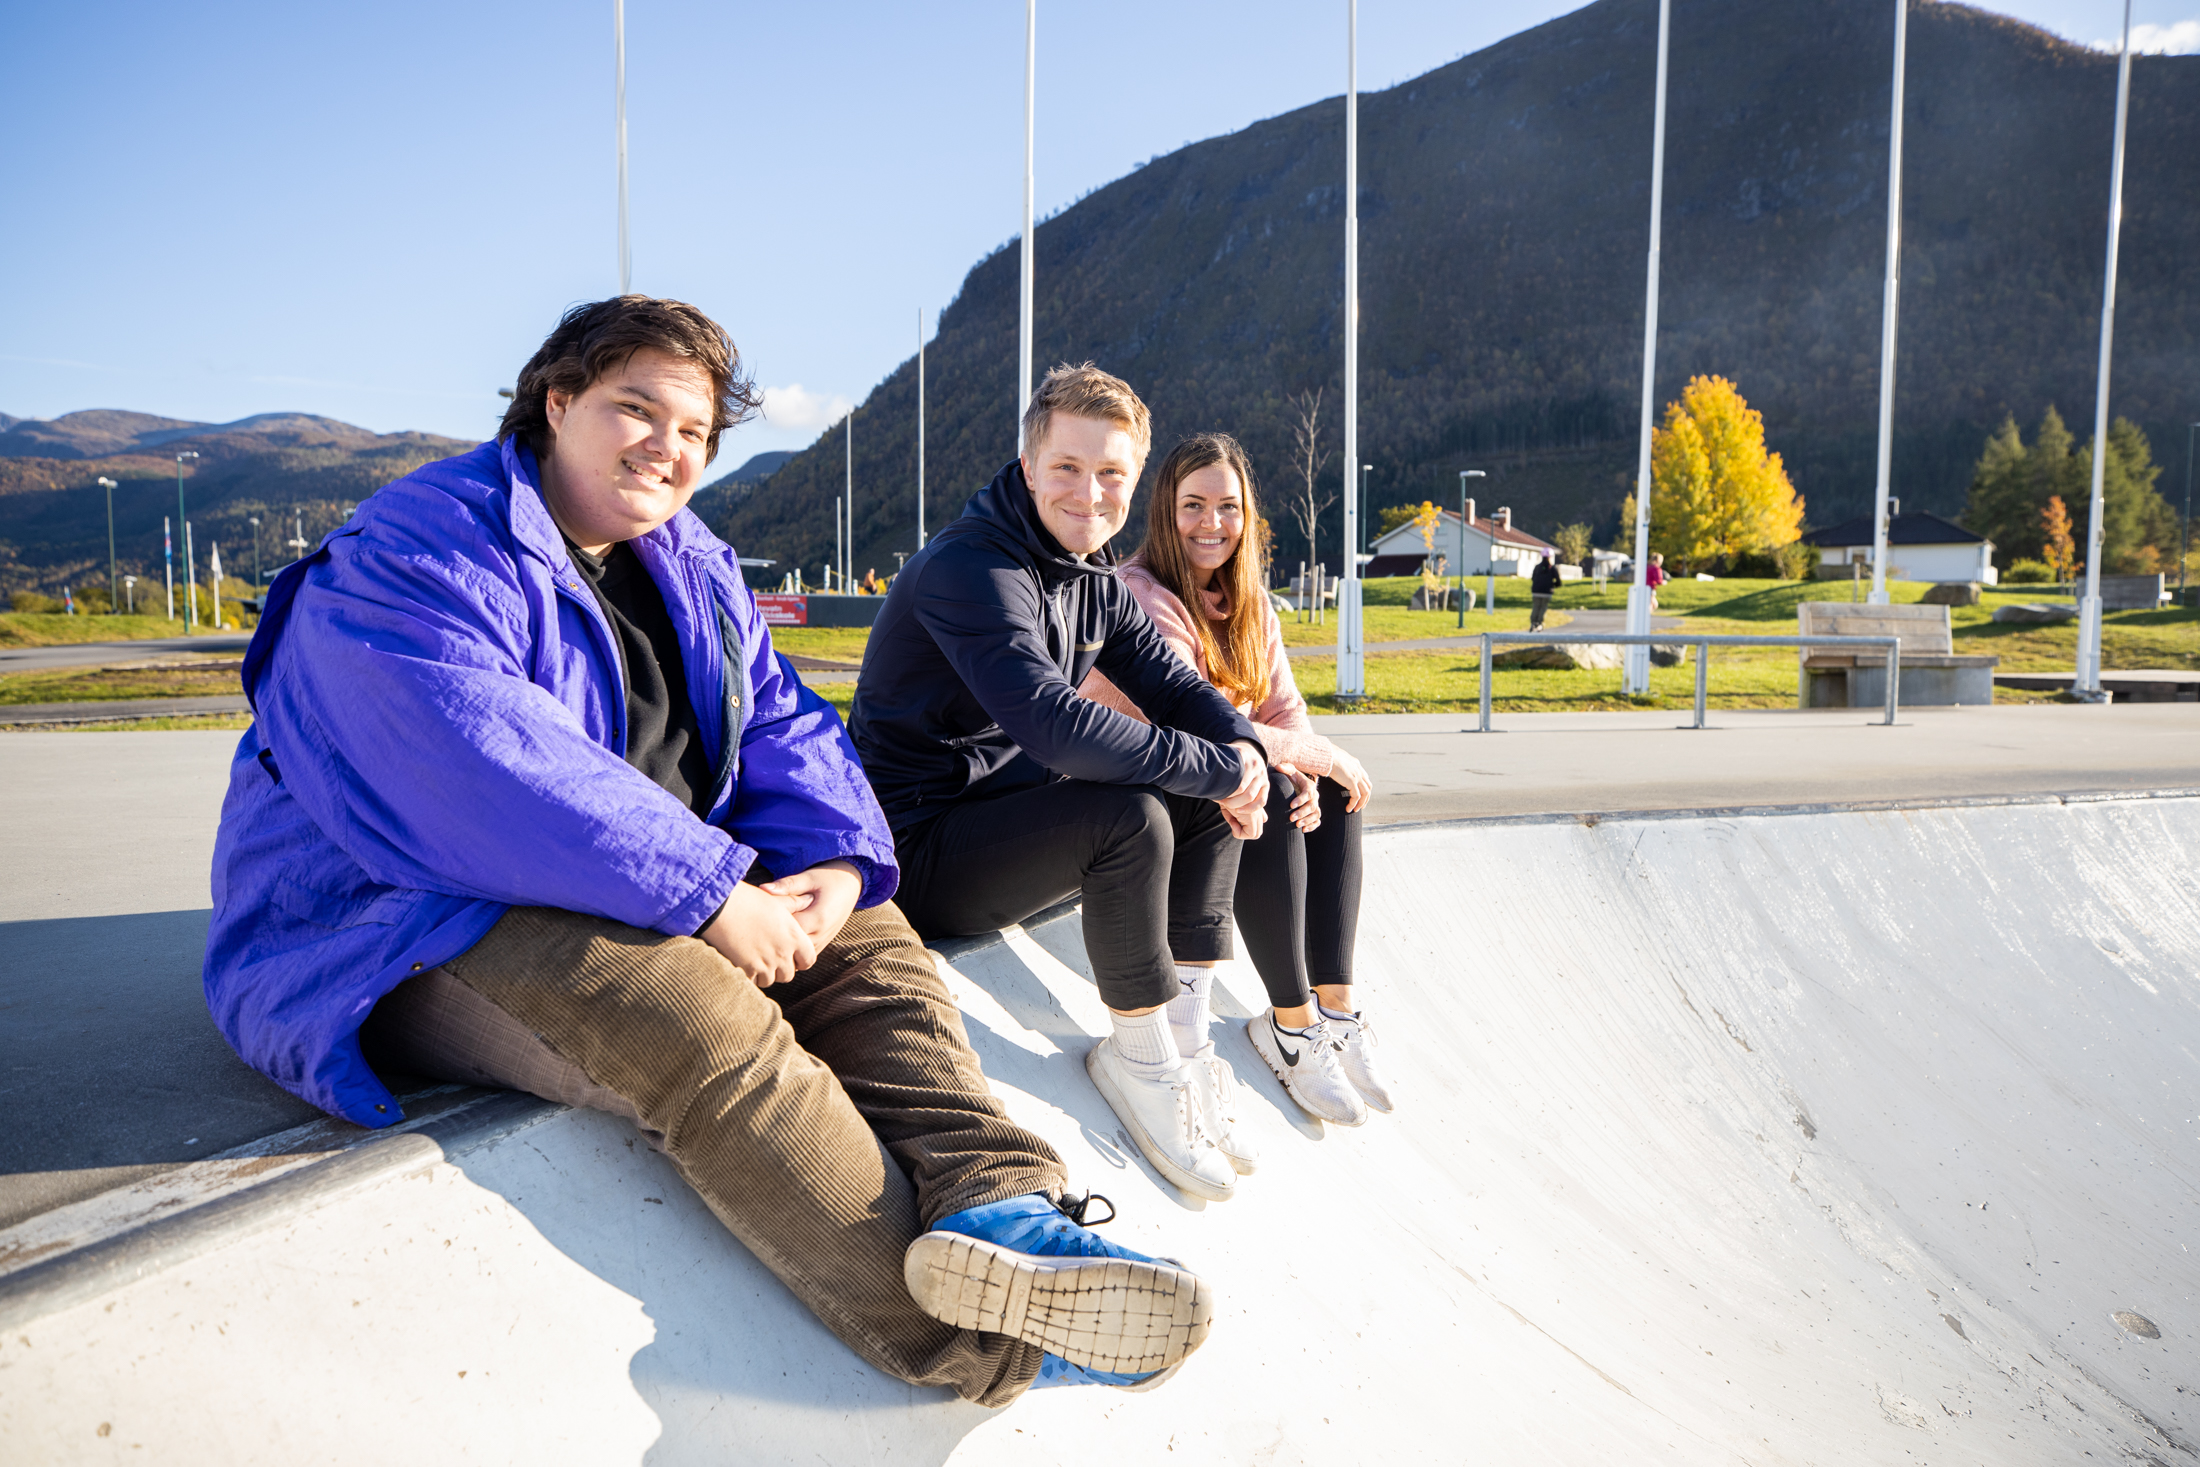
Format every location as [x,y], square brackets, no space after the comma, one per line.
[826,1121]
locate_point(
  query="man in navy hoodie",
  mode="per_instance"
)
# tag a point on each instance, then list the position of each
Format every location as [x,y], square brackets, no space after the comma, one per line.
[1008,791]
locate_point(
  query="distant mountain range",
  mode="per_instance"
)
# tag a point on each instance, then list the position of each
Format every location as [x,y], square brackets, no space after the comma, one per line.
[289,469]
[1503,213]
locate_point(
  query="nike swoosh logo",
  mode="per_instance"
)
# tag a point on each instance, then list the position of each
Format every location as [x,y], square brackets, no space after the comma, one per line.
[1290,1057]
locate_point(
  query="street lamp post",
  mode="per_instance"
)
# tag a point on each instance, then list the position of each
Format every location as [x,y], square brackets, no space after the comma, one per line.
[114,596]
[1635,677]
[190,575]
[129,589]
[1365,470]
[2087,684]
[254,522]
[1464,475]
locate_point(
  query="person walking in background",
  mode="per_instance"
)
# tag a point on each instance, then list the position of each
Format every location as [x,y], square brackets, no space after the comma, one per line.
[1298,885]
[1009,793]
[869,585]
[1542,581]
[1654,576]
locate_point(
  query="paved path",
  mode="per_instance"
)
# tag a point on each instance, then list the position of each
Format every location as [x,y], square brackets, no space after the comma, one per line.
[112,710]
[1433,766]
[98,654]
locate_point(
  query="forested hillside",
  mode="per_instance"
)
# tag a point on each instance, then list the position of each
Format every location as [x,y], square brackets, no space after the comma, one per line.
[285,468]
[1503,223]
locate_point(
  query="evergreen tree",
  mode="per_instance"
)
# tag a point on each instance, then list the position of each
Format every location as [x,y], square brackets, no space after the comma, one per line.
[2000,505]
[2011,486]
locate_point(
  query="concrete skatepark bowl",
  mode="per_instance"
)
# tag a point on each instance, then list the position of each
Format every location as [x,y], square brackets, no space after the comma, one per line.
[1797,1134]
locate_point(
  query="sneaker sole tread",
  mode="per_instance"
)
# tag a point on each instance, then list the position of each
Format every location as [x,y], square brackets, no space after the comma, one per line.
[1113,1314]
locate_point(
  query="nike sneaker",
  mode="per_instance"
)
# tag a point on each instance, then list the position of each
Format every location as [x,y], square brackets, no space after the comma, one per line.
[1309,1062]
[1029,1267]
[1166,1122]
[1217,1084]
[1361,1064]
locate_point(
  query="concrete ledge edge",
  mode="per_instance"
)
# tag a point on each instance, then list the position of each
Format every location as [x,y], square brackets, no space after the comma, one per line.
[95,1269]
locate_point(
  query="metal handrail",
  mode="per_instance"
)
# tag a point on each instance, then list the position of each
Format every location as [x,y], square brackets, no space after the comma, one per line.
[1702,643]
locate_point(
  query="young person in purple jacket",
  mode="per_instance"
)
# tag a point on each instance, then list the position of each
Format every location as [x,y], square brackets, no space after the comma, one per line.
[531,802]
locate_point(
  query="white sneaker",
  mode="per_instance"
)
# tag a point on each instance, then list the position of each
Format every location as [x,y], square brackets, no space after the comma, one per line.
[1164,1121]
[1310,1069]
[1361,1066]
[1217,1084]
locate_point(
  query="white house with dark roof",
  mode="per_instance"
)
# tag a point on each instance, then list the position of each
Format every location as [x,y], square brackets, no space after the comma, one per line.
[1920,547]
[1485,542]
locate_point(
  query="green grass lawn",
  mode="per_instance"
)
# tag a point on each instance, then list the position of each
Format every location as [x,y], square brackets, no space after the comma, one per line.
[115,684]
[38,629]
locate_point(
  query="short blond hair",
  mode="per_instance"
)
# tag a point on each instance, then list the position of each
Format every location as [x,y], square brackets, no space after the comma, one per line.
[1084,391]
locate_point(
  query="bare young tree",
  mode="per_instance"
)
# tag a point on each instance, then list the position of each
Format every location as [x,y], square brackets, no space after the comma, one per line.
[1306,508]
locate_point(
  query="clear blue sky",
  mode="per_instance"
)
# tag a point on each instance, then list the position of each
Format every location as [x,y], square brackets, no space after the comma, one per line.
[375,212]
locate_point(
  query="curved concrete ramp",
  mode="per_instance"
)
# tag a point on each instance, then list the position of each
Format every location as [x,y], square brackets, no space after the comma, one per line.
[1823,1136]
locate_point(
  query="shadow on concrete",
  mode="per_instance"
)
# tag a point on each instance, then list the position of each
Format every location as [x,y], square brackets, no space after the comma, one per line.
[737,1368]
[110,1067]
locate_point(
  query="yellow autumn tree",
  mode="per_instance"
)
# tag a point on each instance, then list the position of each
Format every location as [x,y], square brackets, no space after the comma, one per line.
[1715,492]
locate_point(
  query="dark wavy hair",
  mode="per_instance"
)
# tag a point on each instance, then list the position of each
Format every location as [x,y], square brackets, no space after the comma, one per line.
[597,338]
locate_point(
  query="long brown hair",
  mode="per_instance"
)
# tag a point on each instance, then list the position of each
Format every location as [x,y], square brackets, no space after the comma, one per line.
[1236,649]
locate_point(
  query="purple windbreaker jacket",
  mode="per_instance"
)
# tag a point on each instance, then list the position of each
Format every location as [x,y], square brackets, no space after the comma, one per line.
[440,735]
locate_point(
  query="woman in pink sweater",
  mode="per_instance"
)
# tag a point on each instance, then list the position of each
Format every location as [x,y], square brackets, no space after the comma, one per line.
[1298,887]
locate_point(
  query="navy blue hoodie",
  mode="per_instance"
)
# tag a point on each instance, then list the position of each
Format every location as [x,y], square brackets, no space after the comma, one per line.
[969,686]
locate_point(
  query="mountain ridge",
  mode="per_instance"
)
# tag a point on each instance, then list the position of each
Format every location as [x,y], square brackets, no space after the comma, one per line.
[1504,203]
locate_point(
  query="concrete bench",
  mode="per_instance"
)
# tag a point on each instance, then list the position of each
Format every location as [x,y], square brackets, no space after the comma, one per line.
[1933,674]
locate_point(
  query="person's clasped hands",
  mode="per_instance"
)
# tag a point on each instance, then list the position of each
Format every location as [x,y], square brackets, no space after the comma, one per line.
[773,931]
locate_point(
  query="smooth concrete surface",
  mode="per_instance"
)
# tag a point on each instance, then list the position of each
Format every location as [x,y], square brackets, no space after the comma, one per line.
[97,654]
[110,1069]
[1434,766]
[1835,1137]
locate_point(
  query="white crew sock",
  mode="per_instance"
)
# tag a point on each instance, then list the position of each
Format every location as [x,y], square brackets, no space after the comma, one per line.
[1143,1045]
[1188,1011]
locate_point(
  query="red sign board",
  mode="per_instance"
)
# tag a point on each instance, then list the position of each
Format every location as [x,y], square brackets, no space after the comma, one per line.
[784,611]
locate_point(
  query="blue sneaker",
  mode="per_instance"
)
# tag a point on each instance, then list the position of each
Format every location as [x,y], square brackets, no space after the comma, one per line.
[1055,1371]
[1029,1268]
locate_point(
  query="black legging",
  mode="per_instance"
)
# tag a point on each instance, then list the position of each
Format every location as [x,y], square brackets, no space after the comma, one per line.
[1298,895]
[1155,870]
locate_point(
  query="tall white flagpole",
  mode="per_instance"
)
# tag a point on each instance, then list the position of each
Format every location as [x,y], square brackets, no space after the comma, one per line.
[920,427]
[2088,682]
[1023,289]
[1635,660]
[848,557]
[1351,667]
[618,26]
[1888,313]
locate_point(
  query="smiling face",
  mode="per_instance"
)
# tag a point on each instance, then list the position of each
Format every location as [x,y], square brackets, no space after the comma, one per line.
[1210,516]
[1082,476]
[627,452]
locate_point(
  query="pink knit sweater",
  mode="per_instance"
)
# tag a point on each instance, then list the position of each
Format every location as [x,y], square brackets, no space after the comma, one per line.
[1285,731]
